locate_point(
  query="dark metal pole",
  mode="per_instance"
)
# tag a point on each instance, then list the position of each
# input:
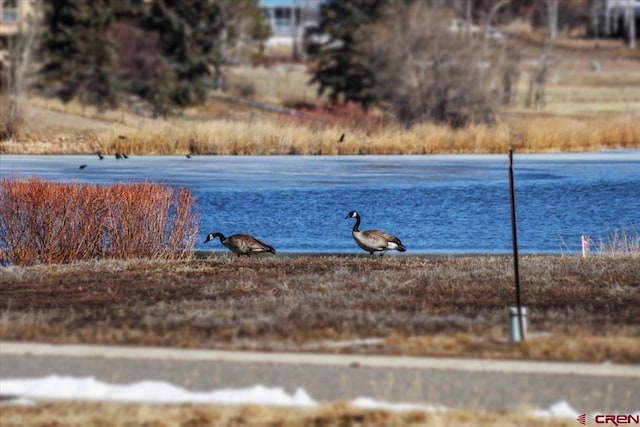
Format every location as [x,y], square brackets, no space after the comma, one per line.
[514,234]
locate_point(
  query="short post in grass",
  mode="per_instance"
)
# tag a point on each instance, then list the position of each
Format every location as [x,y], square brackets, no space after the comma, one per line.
[585,245]
[515,334]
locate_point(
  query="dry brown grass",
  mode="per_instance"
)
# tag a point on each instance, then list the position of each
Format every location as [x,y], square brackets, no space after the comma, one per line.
[620,241]
[332,415]
[267,137]
[580,309]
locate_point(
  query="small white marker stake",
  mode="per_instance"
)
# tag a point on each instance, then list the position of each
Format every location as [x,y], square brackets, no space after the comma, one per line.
[585,245]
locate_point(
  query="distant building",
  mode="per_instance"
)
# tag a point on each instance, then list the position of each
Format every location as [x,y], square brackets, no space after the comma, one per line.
[615,15]
[289,18]
[14,16]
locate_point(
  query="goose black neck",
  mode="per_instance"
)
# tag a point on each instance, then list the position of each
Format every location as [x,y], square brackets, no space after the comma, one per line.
[220,235]
[357,224]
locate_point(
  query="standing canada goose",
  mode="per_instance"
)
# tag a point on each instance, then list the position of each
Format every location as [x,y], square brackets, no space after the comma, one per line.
[374,240]
[242,244]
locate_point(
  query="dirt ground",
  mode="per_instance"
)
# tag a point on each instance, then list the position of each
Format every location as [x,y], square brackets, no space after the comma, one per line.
[579,309]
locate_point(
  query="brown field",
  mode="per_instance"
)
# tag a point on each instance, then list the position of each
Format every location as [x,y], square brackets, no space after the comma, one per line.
[580,309]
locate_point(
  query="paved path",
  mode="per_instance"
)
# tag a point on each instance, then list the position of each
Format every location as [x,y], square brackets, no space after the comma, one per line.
[454,383]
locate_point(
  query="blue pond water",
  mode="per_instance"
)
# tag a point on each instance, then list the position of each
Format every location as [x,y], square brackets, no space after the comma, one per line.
[435,204]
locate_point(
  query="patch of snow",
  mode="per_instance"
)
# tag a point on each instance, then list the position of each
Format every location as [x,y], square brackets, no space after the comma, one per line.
[28,390]
[558,410]
[60,387]
[368,403]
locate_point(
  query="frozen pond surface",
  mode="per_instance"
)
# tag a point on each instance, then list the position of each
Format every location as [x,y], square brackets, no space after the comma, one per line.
[435,204]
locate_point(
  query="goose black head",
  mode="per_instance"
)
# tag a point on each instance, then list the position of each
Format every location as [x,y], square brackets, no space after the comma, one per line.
[212,236]
[352,214]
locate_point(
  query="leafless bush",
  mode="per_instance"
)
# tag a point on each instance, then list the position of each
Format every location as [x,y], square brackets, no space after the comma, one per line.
[428,73]
[46,222]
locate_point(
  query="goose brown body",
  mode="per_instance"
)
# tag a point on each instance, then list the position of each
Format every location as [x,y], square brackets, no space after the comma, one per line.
[242,244]
[374,240]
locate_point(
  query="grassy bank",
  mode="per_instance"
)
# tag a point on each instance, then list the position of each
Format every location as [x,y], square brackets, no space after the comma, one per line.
[278,135]
[580,309]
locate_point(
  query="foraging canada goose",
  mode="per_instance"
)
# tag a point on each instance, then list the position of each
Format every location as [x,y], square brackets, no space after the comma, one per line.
[242,244]
[374,240]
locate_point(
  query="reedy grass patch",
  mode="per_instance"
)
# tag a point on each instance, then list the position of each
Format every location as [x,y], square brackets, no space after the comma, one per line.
[625,241]
[265,138]
[275,137]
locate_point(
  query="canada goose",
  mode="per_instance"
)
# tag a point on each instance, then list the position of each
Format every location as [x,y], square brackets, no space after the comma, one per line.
[82,166]
[100,156]
[242,244]
[374,240]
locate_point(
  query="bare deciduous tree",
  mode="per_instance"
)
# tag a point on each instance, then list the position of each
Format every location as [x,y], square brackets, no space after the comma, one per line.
[552,12]
[630,17]
[21,46]
[536,93]
[427,73]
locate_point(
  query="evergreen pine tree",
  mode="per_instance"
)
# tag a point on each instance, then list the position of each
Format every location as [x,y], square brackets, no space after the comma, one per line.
[341,68]
[61,48]
[190,35]
[77,56]
[99,80]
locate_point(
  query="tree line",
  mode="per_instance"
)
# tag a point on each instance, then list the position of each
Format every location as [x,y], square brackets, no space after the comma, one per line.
[399,56]
[168,52]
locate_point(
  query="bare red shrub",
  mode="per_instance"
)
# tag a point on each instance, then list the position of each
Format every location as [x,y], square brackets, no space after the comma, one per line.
[47,222]
[347,115]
